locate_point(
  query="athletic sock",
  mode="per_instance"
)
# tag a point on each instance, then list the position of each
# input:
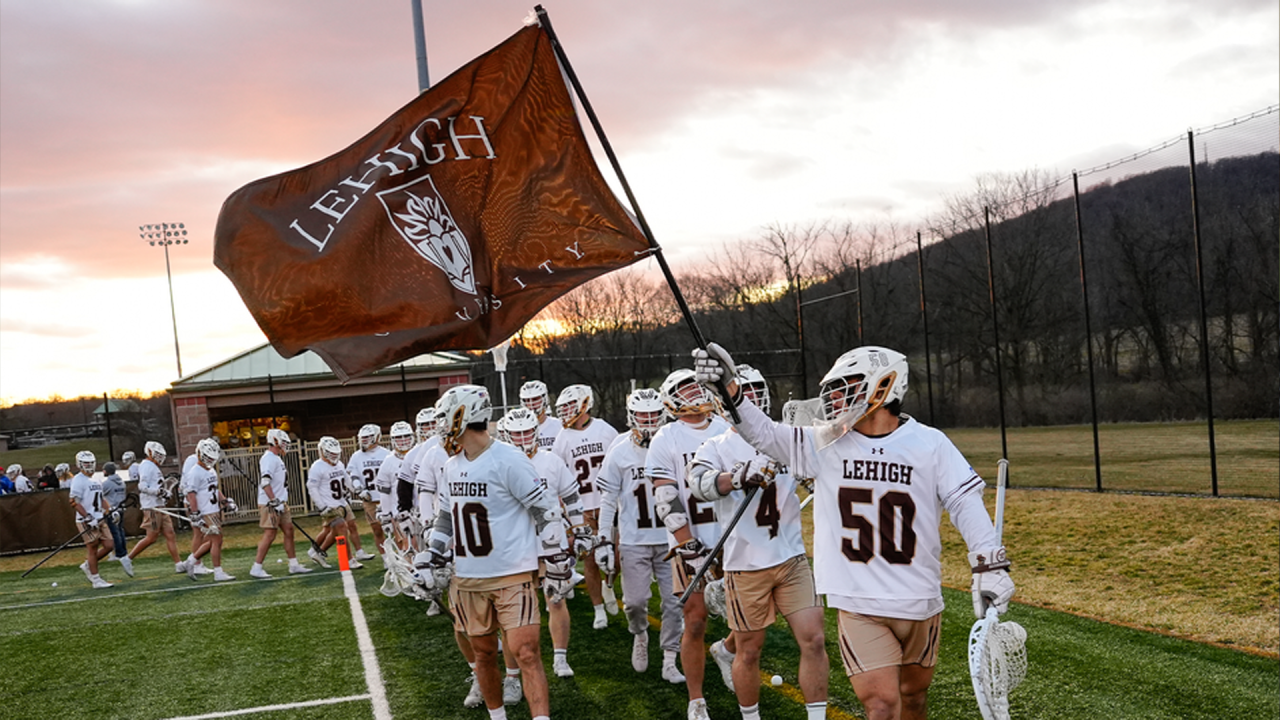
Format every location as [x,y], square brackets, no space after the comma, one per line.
[562,653]
[256,566]
[750,713]
[513,672]
[498,713]
[816,710]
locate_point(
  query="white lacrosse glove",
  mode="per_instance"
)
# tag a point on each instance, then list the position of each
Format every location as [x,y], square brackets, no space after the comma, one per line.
[558,582]
[713,364]
[164,496]
[745,476]
[86,521]
[692,553]
[276,505]
[583,540]
[713,596]
[365,495]
[606,558]
[991,582]
[196,520]
[230,505]
[113,517]
[405,520]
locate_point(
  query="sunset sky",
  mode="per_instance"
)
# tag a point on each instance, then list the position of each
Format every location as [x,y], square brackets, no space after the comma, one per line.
[726,117]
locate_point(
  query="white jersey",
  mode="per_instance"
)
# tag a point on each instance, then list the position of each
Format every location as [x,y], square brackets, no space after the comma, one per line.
[88,492]
[327,484]
[624,482]
[22,484]
[135,472]
[150,484]
[413,459]
[553,474]
[203,482]
[876,542]
[364,464]
[769,532]
[385,481]
[490,501]
[548,430]
[271,469]
[583,452]
[670,451]
[426,484]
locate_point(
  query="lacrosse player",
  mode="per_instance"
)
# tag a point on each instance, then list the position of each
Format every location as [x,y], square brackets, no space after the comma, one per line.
[197,533]
[582,444]
[129,463]
[329,487]
[402,441]
[507,520]
[87,501]
[274,515]
[523,427]
[113,494]
[626,502]
[363,466]
[766,570]
[534,396]
[204,507]
[692,529]
[410,517]
[21,483]
[882,480]
[154,492]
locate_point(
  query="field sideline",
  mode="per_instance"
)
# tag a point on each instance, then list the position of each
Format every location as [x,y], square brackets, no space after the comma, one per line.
[159,647]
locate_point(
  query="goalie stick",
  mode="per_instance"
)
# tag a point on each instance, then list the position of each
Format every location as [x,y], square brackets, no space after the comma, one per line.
[997,651]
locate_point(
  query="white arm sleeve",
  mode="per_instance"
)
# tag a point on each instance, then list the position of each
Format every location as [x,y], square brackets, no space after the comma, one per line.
[796,444]
[970,517]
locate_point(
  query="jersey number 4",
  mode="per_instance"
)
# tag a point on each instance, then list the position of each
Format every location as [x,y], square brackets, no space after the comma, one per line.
[897,513]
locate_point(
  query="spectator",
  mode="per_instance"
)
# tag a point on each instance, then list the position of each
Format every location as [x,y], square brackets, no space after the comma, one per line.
[113,491]
[6,485]
[64,475]
[20,482]
[48,479]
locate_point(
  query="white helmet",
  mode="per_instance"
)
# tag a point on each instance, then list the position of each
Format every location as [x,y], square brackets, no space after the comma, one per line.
[63,470]
[369,436]
[155,451]
[13,471]
[683,395]
[862,380]
[754,386]
[330,449]
[401,436]
[521,425]
[574,402]
[278,438]
[426,421]
[460,406]
[644,414]
[208,452]
[534,396]
[86,462]
[129,458]
[500,430]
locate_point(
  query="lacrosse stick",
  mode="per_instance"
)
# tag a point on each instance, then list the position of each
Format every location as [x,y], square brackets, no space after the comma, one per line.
[997,651]
[769,470]
[314,545]
[61,547]
[807,484]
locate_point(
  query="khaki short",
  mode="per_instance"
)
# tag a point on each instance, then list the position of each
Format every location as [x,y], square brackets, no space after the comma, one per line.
[371,512]
[268,518]
[155,521]
[337,516]
[95,533]
[870,643]
[754,598]
[482,606]
[212,524]
[680,577]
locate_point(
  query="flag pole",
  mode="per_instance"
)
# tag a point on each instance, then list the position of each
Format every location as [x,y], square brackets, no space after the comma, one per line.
[689,320]
[420,46]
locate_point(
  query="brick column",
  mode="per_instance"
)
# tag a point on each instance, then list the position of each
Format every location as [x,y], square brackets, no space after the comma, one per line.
[191,424]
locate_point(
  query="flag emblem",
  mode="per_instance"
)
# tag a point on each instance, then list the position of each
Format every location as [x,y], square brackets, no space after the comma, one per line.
[420,215]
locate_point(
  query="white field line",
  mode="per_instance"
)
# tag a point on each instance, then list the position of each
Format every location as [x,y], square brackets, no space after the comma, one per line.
[183,613]
[273,708]
[183,588]
[368,655]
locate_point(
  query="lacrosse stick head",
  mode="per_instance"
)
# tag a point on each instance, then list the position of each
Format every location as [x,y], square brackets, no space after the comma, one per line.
[997,663]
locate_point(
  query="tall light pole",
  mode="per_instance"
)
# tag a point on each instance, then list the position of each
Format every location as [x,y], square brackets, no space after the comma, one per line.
[166,234]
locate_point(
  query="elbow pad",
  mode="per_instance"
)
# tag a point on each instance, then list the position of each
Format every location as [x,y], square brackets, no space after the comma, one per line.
[704,482]
[573,508]
[404,496]
[548,522]
[266,480]
[670,507]
[441,532]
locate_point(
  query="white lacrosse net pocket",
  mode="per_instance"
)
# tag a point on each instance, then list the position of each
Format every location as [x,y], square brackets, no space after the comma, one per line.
[399,575]
[997,663]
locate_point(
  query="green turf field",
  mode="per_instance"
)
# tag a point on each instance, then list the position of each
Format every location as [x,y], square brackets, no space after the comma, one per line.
[160,646]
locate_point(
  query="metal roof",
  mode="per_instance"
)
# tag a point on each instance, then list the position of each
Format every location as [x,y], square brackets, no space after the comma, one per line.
[263,361]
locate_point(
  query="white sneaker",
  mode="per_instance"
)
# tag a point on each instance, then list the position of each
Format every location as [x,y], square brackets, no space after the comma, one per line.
[560,665]
[698,709]
[127,564]
[433,609]
[258,572]
[179,568]
[724,660]
[610,599]
[317,558]
[640,652]
[220,575]
[602,621]
[361,554]
[202,570]
[354,564]
[190,569]
[474,698]
[99,583]
[670,673]
[84,568]
[511,690]
[296,568]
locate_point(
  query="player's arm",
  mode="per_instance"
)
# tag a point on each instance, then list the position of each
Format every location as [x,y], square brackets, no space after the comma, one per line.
[987,558]
[610,488]
[264,483]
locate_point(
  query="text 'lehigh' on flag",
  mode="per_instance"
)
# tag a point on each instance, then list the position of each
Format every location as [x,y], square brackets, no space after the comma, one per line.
[449,226]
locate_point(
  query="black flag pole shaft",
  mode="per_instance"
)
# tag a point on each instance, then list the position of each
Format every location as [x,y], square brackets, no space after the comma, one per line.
[635,206]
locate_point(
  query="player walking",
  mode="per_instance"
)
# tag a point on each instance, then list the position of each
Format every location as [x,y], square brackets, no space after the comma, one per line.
[766,570]
[86,500]
[329,487]
[274,515]
[154,492]
[881,481]
[582,444]
[363,467]
[501,519]
[204,507]
[627,497]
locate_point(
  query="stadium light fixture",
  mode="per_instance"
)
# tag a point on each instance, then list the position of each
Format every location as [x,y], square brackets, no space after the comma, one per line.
[164,235]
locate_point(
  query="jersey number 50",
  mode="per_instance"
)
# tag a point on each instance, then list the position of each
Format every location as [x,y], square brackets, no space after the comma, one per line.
[896,514]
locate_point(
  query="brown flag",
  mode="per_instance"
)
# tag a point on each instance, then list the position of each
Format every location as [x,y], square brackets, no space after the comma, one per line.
[448,227]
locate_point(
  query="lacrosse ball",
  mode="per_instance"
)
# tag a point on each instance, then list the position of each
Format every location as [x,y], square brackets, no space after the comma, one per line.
[777,681]
[54,585]
[279,560]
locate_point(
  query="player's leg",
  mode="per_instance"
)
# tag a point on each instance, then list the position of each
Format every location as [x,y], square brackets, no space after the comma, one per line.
[594,577]
[558,624]
[524,645]
[371,515]
[875,651]
[634,562]
[914,690]
[796,598]
[170,538]
[485,652]
[693,650]
[151,529]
